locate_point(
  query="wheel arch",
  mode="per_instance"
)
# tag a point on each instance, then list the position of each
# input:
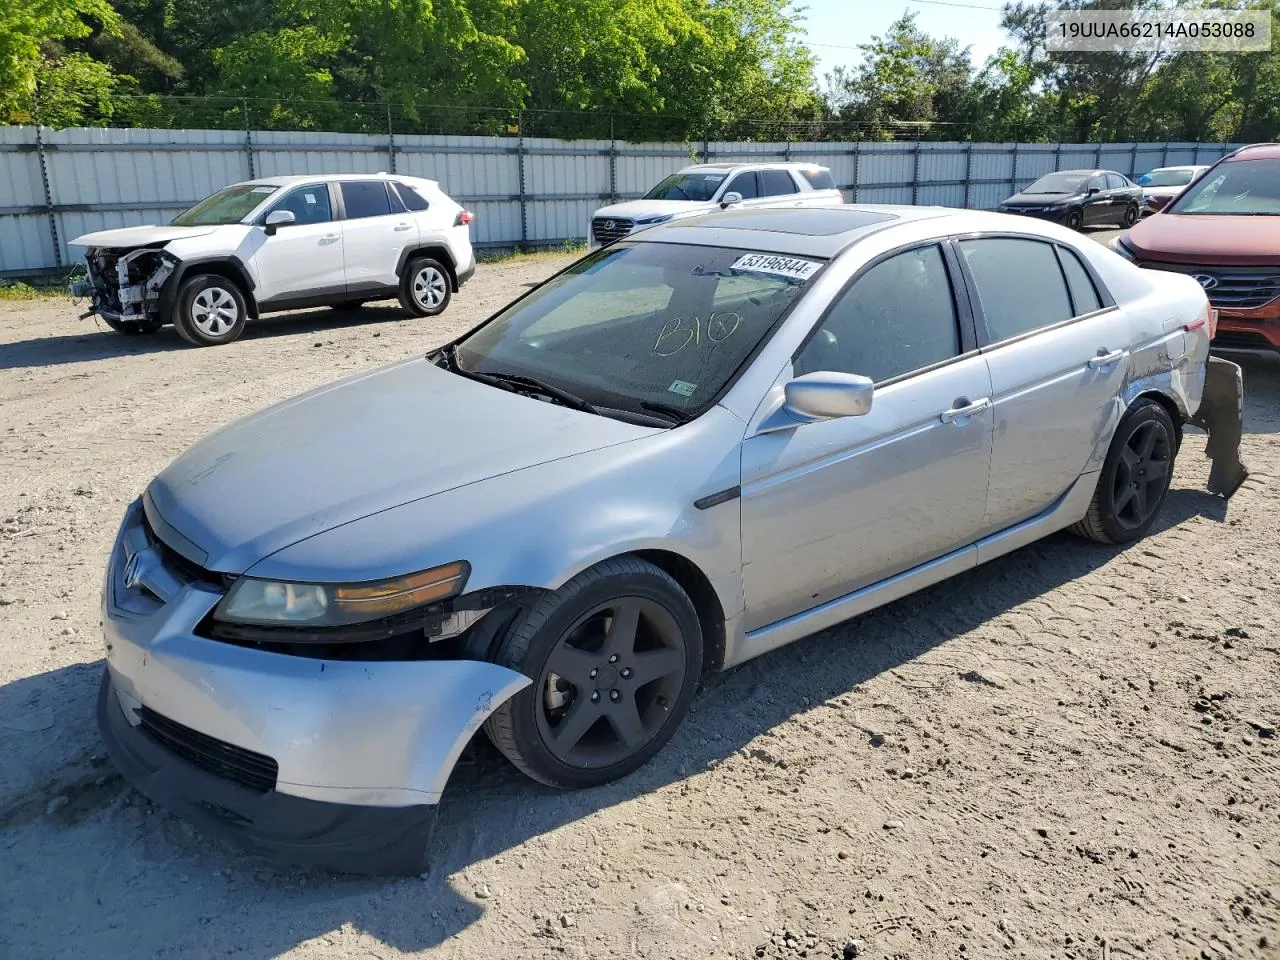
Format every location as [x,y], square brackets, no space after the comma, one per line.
[231,267]
[706,602]
[436,250]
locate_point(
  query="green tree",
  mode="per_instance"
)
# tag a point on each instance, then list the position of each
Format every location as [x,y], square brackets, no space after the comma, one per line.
[28,28]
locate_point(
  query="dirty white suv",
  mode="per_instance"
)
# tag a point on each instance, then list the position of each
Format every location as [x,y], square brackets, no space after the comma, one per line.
[281,243]
[705,187]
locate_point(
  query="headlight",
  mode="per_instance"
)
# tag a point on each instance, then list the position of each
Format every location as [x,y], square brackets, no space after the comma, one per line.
[253,601]
[1119,247]
[650,221]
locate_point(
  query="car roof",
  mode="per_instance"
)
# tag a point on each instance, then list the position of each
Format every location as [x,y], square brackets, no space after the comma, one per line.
[325,178]
[761,164]
[801,231]
[1256,151]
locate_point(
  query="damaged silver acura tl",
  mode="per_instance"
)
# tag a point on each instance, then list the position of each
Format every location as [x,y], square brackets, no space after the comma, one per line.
[683,451]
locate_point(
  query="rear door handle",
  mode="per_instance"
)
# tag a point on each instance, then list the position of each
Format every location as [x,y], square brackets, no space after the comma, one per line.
[329,238]
[967,409]
[1105,359]
[404,226]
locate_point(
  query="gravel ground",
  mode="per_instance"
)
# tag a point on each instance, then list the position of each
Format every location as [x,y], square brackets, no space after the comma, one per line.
[1069,752]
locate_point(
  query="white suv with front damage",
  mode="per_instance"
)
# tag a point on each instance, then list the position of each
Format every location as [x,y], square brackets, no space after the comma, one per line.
[707,187]
[280,243]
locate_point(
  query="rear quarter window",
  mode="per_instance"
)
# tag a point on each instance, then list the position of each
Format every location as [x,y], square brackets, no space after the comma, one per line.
[818,178]
[410,197]
[1084,295]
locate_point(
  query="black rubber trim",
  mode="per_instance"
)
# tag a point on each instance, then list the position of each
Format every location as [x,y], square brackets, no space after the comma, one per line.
[292,830]
[318,297]
[715,499]
[437,251]
[467,274]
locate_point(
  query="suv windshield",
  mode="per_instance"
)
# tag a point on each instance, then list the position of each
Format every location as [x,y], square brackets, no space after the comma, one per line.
[687,186]
[644,328]
[229,205]
[1166,178]
[1058,183]
[1238,187]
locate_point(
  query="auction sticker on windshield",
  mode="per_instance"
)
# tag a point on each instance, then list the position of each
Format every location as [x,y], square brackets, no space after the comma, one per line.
[792,267]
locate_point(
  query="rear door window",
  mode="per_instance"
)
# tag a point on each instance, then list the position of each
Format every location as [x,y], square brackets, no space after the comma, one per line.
[1084,295]
[1018,284]
[1115,181]
[776,183]
[365,198]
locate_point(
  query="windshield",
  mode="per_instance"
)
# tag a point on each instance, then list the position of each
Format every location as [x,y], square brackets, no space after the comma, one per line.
[1240,188]
[687,186]
[1166,178]
[636,326]
[229,205]
[1058,183]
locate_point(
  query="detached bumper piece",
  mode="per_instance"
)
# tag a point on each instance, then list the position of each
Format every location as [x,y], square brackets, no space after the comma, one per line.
[174,767]
[1221,413]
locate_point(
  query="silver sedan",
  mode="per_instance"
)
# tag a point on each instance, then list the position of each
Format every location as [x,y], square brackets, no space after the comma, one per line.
[683,451]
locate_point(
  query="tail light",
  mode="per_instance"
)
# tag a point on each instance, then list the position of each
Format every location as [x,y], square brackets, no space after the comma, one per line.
[463,218]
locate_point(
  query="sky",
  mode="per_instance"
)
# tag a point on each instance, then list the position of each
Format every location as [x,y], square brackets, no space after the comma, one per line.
[832,26]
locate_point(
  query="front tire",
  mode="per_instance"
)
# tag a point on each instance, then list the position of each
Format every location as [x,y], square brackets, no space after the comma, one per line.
[210,311]
[425,288]
[615,656]
[1135,477]
[1075,220]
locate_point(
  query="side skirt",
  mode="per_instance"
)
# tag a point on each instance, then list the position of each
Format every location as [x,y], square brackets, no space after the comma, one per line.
[1068,508]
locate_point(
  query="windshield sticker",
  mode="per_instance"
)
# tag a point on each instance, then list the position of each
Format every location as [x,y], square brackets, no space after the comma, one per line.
[682,387]
[791,267]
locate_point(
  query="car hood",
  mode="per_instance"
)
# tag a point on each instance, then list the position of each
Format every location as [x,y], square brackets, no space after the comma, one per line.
[643,209]
[354,448]
[1038,199]
[1207,240]
[139,236]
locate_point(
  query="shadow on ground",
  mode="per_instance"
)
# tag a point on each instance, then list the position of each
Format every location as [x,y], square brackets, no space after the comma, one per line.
[112,862]
[99,342]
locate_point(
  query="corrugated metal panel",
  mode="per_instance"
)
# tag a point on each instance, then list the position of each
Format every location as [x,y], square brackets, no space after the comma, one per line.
[25,243]
[153,173]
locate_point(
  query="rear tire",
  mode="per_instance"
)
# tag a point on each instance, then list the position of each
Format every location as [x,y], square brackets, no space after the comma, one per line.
[1135,476]
[1075,220]
[425,288]
[210,310]
[1130,215]
[615,656]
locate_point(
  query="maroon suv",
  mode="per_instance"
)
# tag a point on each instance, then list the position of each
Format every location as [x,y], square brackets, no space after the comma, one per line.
[1225,231]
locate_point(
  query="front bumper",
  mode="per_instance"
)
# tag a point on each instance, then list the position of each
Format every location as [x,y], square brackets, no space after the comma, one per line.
[1057,215]
[358,750]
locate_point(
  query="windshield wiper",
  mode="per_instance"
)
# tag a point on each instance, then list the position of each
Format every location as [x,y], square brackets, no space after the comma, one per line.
[675,414]
[531,384]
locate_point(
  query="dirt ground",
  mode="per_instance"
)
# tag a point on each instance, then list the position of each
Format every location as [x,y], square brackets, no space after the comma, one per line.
[1070,752]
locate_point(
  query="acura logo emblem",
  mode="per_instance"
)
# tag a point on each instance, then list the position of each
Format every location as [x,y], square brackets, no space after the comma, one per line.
[133,571]
[1206,281]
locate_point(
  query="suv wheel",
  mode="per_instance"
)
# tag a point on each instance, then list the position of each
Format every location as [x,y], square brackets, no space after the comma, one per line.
[210,311]
[424,288]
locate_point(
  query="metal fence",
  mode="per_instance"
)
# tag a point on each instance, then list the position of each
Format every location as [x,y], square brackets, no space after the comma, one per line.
[526,191]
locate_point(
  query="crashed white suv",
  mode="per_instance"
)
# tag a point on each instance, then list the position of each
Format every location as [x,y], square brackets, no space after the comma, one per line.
[715,186]
[280,243]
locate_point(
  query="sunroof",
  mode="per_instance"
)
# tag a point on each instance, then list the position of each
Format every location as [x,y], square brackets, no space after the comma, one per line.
[814,222]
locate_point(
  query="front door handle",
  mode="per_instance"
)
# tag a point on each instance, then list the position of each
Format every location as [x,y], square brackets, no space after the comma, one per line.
[1105,359]
[404,226]
[965,408]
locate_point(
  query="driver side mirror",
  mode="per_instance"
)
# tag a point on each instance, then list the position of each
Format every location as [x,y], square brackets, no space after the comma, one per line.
[824,395]
[1093,190]
[729,199]
[278,218]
